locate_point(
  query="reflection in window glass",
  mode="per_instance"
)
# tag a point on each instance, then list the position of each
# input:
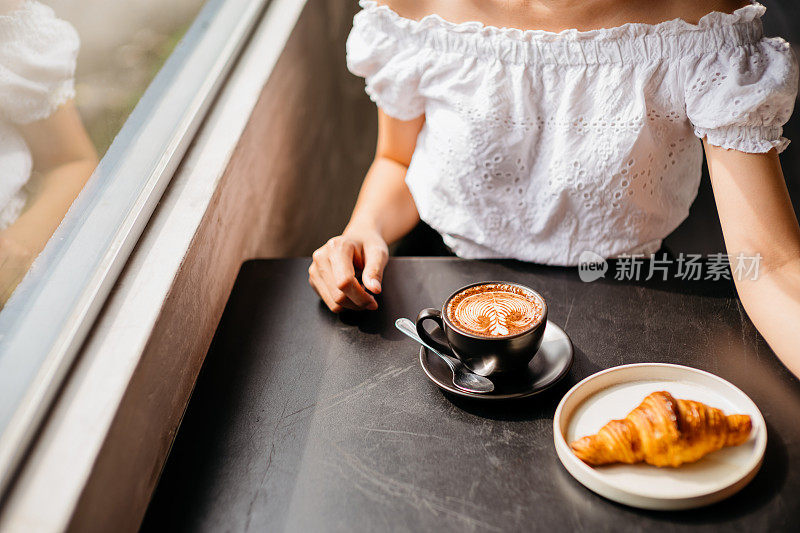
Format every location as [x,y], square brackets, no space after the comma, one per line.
[71,71]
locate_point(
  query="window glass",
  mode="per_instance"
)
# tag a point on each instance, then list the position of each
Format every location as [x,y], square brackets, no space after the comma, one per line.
[71,72]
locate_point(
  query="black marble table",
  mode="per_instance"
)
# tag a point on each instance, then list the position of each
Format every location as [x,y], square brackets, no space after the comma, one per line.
[306,421]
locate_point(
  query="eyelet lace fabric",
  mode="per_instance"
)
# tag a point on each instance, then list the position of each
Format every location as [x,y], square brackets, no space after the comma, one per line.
[539,145]
[37,65]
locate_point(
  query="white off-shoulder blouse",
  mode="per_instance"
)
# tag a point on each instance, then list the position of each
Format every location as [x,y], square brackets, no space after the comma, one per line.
[37,65]
[539,145]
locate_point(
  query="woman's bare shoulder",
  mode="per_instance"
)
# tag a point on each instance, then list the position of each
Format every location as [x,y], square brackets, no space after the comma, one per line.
[692,10]
[412,9]
[531,14]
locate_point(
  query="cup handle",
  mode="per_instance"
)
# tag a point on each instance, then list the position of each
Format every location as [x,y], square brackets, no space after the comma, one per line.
[435,315]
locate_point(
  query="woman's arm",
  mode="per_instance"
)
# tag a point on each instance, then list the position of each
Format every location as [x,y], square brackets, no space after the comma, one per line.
[757,218]
[63,159]
[384,212]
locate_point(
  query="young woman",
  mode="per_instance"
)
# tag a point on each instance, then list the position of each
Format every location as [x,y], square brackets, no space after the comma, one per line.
[535,130]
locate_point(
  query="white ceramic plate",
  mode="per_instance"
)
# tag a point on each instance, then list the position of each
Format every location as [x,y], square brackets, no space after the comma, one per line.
[613,393]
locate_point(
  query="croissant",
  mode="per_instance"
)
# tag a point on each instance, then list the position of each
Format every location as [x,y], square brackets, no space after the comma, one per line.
[663,431]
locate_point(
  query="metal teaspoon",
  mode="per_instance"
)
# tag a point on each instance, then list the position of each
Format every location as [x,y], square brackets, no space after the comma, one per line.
[462,378]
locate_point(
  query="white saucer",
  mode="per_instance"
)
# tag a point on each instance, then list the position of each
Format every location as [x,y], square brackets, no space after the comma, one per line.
[613,393]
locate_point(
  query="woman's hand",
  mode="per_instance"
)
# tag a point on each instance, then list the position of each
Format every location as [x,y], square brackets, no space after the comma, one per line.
[345,265]
[384,212]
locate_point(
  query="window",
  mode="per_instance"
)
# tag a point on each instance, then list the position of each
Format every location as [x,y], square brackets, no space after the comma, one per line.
[98,101]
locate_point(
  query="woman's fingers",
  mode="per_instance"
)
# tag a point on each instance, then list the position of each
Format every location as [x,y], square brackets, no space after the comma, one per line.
[336,296]
[342,261]
[316,280]
[376,254]
[333,271]
[323,293]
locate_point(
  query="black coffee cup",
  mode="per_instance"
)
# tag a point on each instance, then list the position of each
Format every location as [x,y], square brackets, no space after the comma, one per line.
[486,355]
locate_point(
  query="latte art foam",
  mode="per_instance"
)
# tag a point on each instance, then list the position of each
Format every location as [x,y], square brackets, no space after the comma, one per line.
[494,310]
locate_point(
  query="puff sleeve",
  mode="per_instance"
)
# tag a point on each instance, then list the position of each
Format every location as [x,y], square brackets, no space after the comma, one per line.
[741,96]
[37,63]
[376,51]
